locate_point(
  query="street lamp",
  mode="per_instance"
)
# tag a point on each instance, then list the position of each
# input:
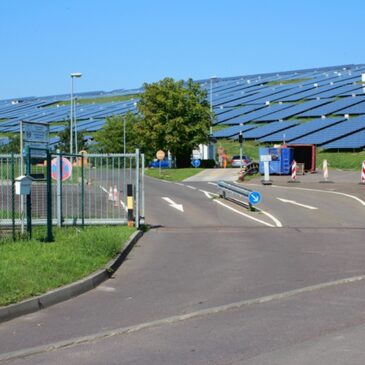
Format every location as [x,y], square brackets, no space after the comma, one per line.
[73,112]
[212,78]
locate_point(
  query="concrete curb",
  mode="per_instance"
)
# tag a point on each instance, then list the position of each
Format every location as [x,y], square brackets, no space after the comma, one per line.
[69,291]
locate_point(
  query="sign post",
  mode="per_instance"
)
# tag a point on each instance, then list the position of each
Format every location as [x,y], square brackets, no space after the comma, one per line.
[266,160]
[32,135]
[160,155]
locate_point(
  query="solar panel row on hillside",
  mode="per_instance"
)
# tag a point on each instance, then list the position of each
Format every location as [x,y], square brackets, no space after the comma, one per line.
[257,114]
[236,112]
[292,111]
[334,132]
[232,131]
[354,109]
[355,140]
[302,130]
[268,129]
[332,107]
[336,91]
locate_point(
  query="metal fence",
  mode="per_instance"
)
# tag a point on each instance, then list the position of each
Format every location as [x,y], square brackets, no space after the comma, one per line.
[10,205]
[94,193]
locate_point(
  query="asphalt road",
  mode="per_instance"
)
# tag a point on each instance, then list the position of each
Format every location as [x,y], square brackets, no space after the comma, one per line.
[212,283]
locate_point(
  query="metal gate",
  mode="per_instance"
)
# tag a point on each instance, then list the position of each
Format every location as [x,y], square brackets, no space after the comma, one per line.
[95,192]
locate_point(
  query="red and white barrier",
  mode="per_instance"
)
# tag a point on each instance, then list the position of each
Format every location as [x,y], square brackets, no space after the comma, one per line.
[363,173]
[294,170]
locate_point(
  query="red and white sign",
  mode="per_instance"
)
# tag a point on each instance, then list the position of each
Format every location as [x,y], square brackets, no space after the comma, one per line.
[363,173]
[66,169]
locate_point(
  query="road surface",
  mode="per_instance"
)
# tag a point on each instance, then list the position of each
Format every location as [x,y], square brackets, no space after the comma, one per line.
[212,283]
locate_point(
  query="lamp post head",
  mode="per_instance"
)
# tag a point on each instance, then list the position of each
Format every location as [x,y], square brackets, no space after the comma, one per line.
[76,74]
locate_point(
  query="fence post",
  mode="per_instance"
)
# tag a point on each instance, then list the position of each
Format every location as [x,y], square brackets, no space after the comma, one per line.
[82,192]
[59,189]
[137,188]
[49,199]
[142,186]
[13,195]
[29,196]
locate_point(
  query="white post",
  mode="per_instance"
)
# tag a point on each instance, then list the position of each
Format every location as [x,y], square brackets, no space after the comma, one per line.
[59,190]
[71,115]
[73,112]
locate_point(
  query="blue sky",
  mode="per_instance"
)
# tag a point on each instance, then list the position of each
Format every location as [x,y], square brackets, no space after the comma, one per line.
[122,44]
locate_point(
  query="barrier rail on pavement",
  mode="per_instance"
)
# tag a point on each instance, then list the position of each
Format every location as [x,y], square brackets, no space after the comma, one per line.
[238,194]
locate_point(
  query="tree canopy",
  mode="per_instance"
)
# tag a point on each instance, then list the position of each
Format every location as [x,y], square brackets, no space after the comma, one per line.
[111,137]
[172,116]
[175,117]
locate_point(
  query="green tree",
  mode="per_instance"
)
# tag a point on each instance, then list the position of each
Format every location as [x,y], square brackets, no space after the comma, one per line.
[175,117]
[110,138]
[12,146]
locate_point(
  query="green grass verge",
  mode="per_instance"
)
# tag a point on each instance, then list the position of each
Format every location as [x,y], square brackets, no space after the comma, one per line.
[30,268]
[341,160]
[172,174]
[285,82]
[106,99]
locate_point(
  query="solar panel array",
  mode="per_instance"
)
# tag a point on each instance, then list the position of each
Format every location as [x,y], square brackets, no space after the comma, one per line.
[266,107]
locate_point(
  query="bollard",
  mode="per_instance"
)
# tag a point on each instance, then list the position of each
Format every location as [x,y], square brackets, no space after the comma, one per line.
[363,173]
[130,205]
[293,173]
[110,195]
[325,172]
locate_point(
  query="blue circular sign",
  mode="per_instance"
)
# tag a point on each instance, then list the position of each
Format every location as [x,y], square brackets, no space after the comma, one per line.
[196,163]
[254,197]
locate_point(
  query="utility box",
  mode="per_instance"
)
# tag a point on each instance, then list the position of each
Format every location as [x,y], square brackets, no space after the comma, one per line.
[23,185]
[281,160]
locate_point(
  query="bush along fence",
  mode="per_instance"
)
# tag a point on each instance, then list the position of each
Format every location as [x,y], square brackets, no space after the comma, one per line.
[68,189]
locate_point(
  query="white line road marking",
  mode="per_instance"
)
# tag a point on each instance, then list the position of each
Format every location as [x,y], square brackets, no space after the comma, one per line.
[211,183]
[276,221]
[102,188]
[296,203]
[191,187]
[173,204]
[123,205]
[208,194]
[31,351]
[318,190]
[245,215]
[180,184]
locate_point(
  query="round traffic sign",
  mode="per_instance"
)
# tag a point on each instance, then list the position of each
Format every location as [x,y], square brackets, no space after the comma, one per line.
[160,155]
[254,197]
[66,169]
[195,163]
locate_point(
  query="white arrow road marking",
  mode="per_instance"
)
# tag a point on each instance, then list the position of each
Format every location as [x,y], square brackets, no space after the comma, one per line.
[296,203]
[173,204]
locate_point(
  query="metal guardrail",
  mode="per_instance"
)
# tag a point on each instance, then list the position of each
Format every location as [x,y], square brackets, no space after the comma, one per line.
[236,193]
